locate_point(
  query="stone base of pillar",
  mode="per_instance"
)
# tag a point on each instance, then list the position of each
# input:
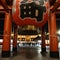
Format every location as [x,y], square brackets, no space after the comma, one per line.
[43,50]
[5,54]
[54,54]
[14,49]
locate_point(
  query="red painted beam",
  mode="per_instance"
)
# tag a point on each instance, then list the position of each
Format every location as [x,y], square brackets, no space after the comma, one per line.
[55,6]
[3,3]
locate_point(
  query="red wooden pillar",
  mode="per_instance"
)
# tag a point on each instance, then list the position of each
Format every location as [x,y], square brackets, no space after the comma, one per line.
[6,36]
[53,36]
[43,47]
[15,38]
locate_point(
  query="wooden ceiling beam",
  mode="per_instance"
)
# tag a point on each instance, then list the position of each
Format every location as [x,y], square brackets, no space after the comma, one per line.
[9,2]
[52,2]
[3,3]
[57,12]
[55,6]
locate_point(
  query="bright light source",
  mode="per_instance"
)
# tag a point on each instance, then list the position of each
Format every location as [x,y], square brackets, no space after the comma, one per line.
[1,40]
[39,41]
[39,35]
[47,33]
[33,36]
[23,36]
[12,34]
[58,32]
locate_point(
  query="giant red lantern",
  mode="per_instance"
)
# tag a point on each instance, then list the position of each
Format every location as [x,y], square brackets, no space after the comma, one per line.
[28,12]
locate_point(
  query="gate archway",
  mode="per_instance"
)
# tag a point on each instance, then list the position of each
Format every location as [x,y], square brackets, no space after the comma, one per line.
[20,20]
